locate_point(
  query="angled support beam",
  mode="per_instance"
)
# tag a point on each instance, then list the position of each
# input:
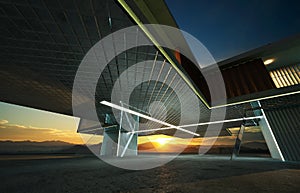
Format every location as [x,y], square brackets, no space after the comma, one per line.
[119,136]
[199,124]
[267,132]
[146,117]
[127,144]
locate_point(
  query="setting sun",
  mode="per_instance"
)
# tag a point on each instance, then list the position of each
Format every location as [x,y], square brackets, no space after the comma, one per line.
[162,141]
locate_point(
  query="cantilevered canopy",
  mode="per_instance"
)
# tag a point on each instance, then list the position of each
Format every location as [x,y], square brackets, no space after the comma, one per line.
[43,43]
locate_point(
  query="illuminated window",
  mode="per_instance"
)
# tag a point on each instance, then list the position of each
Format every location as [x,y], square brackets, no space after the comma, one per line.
[286,76]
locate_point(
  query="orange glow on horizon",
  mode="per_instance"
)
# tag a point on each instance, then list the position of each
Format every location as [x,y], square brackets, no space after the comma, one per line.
[162,141]
[170,144]
[15,132]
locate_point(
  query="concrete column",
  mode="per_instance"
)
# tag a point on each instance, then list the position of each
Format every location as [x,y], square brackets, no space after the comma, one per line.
[120,142]
[129,149]
[238,142]
[110,142]
[128,140]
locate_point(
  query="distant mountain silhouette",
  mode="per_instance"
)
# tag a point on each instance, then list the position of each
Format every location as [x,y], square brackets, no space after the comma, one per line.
[60,147]
[156,147]
[150,147]
[76,149]
[33,147]
[255,145]
[250,147]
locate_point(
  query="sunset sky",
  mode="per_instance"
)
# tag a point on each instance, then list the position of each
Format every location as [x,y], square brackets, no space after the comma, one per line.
[19,123]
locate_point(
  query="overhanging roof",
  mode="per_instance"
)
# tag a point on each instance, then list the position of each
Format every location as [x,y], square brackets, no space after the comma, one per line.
[43,43]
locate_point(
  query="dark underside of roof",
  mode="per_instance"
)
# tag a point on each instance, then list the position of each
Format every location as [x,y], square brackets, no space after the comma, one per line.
[44,41]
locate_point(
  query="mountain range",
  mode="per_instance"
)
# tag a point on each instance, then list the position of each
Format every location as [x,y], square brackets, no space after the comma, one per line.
[60,147]
[33,147]
[250,147]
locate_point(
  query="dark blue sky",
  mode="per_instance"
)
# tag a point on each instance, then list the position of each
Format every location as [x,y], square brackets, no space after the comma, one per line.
[228,28]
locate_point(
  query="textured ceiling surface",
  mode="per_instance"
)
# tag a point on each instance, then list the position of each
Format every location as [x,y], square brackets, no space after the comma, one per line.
[44,41]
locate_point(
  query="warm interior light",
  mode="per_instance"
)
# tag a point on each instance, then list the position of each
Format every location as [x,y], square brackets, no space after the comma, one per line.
[269,61]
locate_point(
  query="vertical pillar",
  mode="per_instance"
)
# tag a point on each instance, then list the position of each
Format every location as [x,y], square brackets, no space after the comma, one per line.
[238,142]
[110,141]
[129,140]
[120,142]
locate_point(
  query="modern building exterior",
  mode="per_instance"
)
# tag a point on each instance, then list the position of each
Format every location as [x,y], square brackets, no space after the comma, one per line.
[44,42]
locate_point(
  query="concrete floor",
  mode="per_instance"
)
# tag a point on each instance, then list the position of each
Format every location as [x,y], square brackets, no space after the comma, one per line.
[188,173]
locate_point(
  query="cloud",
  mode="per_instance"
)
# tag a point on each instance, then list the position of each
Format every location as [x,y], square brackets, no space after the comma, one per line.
[3,122]
[22,132]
